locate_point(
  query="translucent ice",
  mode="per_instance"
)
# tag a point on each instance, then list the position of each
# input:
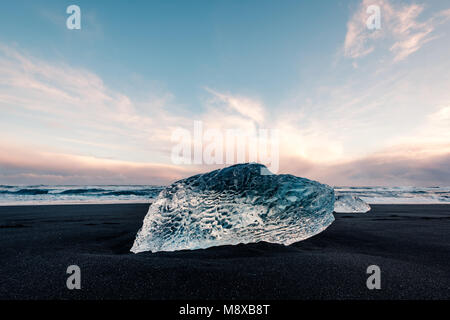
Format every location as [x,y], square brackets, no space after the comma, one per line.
[235,205]
[350,204]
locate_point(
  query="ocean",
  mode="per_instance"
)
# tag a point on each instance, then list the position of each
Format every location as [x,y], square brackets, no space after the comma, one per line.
[50,194]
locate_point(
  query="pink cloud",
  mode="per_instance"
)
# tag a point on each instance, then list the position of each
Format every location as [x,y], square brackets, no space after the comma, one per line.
[400,27]
[23,166]
[397,166]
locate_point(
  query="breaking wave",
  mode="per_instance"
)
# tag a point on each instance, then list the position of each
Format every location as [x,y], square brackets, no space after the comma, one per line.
[47,194]
[25,192]
[398,195]
[13,195]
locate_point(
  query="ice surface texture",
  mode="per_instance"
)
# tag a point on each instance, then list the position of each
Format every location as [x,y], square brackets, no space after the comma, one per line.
[235,205]
[350,204]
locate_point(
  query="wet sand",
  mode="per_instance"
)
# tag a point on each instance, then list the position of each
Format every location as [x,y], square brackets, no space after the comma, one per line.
[410,243]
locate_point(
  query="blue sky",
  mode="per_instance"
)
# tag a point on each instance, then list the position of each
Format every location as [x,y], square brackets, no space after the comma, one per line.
[98,105]
[257,47]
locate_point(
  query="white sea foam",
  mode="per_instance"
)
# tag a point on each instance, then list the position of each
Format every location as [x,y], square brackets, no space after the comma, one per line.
[51,194]
[398,195]
[47,194]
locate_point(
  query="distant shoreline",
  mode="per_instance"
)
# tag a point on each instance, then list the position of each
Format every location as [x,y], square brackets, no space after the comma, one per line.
[73,204]
[102,194]
[149,202]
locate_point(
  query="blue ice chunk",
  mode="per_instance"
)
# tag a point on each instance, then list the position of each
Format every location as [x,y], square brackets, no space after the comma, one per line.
[235,205]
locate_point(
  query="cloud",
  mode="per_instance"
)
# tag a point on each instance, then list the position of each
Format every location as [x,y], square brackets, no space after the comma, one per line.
[433,134]
[79,101]
[63,125]
[93,132]
[399,166]
[389,170]
[246,107]
[19,165]
[401,28]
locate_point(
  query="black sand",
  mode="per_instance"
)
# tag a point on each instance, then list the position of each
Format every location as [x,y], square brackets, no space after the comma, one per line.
[410,243]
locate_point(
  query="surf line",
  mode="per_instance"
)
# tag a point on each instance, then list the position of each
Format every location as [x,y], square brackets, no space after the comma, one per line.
[191,310]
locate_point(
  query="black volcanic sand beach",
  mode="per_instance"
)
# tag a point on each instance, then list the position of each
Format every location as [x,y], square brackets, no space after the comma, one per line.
[410,243]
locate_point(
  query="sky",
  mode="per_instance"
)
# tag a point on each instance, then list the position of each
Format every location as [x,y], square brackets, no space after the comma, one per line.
[352,106]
